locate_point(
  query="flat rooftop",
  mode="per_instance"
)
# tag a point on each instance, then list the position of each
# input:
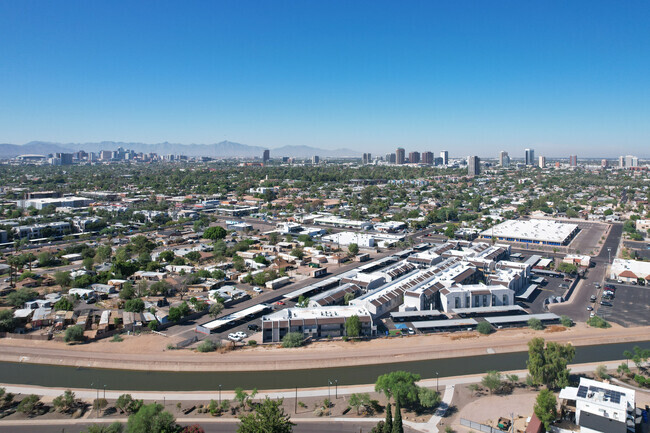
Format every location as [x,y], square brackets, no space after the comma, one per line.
[534,229]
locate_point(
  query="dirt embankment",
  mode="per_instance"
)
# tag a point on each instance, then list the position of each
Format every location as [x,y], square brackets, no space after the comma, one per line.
[148,352]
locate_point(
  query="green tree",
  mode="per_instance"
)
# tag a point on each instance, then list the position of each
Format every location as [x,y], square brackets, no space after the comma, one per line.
[30,405]
[484,328]
[493,381]
[297,253]
[62,278]
[66,402]
[399,385]
[220,248]
[267,417]
[546,408]
[88,263]
[598,322]
[353,326]
[134,305]
[397,422]
[166,256]
[125,403]
[353,249]
[567,268]
[535,324]
[20,296]
[103,253]
[215,233]
[193,256]
[566,321]
[292,339]
[7,322]
[151,418]
[65,303]
[127,292]
[215,309]
[388,423]
[428,398]
[358,400]
[547,365]
[74,334]
[174,314]
[45,259]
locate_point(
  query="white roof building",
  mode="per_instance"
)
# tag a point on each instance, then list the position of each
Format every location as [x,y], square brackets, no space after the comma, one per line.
[535,231]
[630,270]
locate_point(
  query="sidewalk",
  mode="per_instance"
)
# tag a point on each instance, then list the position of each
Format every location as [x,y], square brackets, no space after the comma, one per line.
[431,426]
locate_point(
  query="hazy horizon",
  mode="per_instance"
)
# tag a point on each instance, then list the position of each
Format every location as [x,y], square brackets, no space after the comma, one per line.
[562,78]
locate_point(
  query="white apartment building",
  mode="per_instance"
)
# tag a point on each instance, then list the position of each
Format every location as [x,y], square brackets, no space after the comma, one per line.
[475,296]
[602,407]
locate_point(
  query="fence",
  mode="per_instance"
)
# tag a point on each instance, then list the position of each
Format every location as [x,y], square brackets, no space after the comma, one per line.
[480,427]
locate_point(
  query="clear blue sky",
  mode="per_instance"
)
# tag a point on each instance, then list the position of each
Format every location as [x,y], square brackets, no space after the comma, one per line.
[469,76]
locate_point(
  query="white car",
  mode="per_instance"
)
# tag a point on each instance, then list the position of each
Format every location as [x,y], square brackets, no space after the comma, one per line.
[411,331]
[234,337]
[241,335]
[590,308]
[257,290]
[592,314]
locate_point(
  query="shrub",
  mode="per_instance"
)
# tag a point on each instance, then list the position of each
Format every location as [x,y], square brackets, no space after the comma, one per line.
[566,321]
[598,322]
[252,343]
[535,324]
[29,405]
[117,338]
[207,346]
[484,328]
[292,339]
[74,334]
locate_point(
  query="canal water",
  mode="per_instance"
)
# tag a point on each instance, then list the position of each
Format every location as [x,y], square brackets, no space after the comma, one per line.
[75,377]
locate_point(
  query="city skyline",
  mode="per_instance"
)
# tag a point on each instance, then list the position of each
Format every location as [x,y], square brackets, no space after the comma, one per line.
[277,75]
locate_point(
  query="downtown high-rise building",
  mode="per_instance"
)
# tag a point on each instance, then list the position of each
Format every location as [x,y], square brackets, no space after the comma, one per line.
[530,156]
[542,162]
[390,158]
[473,165]
[414,157]
[315,159]
[444,154]
[400,156]
[573,160]
[427,158]
[631,161]
[504,159]
[266,155]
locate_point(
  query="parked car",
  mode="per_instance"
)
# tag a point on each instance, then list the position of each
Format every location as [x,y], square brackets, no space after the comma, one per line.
[241,334]
[253,327]
[592,298]
[257,290]
[606,304]
[411,331]
[278,303]
[592,314]
[234,337]
[590,308]
[597,285]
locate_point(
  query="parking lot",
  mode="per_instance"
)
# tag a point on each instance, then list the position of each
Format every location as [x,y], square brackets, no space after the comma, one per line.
[587,239]
[630,306]
[550,288]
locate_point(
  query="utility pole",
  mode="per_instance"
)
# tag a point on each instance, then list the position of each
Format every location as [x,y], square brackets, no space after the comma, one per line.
[437,380]
[296,402]
[219,394]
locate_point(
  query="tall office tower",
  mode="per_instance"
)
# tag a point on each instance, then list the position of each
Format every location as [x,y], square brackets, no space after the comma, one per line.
[631,161]
[621,161]
[315,159]
[400,156]
[604,163]
[369,158]
[504,159]
[573,160]
[542,161]
[414,157]
[390,158]
[364,159]
[530,156]
[266,155]
[445,157]
[473,165]
[427,158]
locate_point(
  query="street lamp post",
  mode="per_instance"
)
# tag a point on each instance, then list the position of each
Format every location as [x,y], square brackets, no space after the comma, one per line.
[329,397]
[220,395]
[104,392]
[336,389]
[437,380]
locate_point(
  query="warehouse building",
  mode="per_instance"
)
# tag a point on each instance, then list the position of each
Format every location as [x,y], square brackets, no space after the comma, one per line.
[322,322]
[534,231]
[630,271]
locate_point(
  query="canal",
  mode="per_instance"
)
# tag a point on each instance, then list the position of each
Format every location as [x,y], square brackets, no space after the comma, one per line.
[116,379]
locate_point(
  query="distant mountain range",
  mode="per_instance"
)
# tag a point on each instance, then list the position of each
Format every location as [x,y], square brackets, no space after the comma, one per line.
[225,149]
